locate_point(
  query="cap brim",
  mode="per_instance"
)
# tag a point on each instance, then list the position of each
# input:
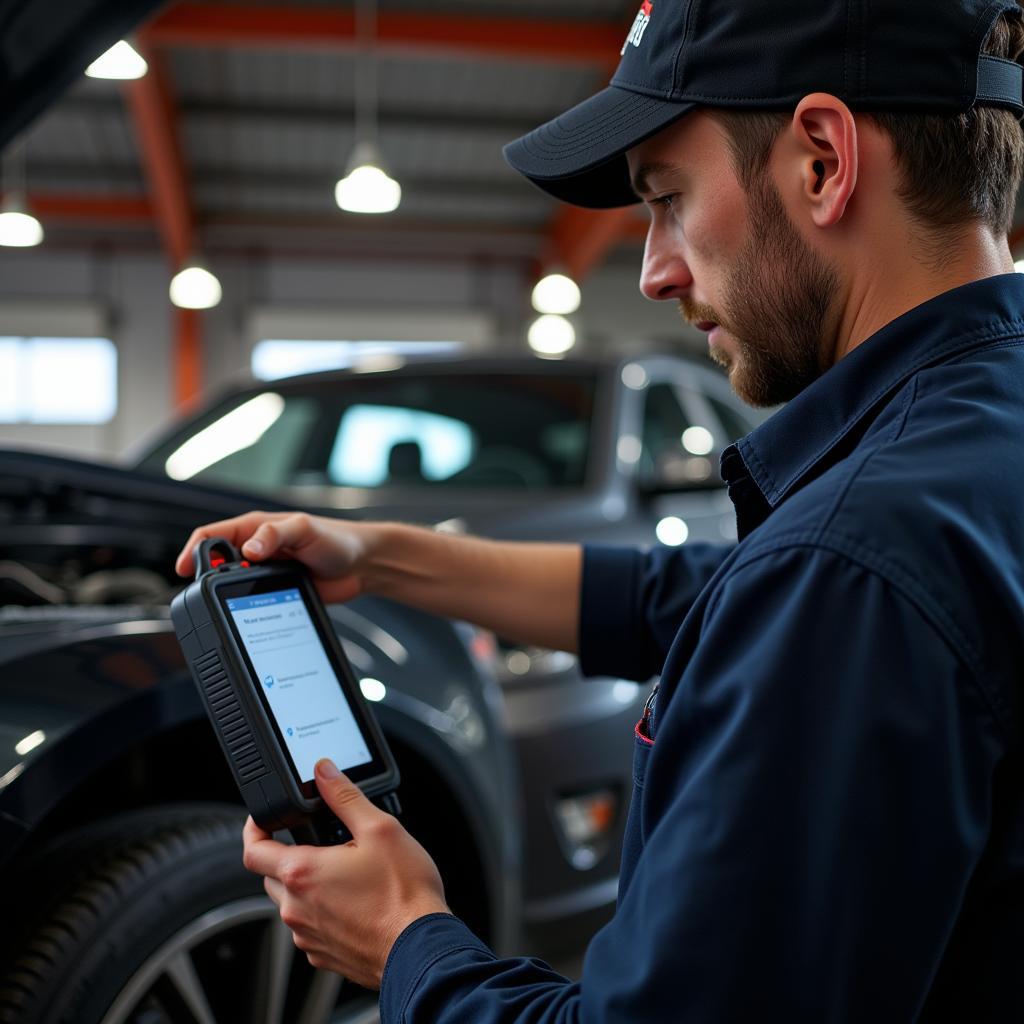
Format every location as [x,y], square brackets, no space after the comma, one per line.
[579,157]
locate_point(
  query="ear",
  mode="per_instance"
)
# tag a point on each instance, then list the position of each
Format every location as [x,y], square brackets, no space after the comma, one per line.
[824,134]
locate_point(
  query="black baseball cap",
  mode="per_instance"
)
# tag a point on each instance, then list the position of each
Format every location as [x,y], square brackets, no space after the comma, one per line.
[892,55]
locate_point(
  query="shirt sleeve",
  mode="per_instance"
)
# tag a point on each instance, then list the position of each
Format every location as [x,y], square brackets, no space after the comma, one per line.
[813,806]
[632,602]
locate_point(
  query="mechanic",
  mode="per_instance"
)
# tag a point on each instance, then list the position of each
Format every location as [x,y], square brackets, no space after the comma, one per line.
[827,822]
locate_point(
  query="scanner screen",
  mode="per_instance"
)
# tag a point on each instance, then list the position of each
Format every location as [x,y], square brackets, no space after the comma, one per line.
[296,677]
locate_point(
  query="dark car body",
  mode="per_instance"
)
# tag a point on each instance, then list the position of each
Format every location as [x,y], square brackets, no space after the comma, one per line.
[98,715]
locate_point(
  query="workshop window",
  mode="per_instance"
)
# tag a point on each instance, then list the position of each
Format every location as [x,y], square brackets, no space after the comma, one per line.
[57,380]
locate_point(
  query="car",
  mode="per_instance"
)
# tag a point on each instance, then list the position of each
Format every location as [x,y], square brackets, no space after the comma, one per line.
[506,446]
[120,825]
[593,450]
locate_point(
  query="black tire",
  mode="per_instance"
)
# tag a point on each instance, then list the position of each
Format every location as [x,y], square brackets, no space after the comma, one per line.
[150,918]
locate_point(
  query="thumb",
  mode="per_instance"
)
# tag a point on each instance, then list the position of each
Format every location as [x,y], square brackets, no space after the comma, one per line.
[344,797]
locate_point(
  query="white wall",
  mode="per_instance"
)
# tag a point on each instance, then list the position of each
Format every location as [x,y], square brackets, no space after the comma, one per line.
[128,291]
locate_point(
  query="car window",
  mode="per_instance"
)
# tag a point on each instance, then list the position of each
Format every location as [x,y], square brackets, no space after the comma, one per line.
[381,444]
[677,450]
[732,421]
[516,430]
[663,426]
[252,445]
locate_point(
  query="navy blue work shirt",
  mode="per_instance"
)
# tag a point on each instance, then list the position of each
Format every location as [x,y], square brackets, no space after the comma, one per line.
[827,823]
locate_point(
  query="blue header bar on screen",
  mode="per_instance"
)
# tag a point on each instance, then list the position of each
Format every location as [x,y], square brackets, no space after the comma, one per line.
[242,604]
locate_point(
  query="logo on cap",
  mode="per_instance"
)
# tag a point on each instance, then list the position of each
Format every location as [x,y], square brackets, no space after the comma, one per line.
[639,26]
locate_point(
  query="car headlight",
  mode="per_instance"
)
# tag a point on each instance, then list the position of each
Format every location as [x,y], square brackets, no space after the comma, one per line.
[585,822]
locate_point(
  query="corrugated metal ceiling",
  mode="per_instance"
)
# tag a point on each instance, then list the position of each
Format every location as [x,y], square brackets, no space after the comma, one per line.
[265,132]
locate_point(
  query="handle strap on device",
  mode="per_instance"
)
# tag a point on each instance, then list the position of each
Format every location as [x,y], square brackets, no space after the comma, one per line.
[213,552]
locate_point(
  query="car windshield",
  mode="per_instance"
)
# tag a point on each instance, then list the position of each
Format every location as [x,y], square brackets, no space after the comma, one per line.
[515,430]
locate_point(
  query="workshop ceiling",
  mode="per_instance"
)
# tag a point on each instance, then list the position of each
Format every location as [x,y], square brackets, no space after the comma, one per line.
[236,137]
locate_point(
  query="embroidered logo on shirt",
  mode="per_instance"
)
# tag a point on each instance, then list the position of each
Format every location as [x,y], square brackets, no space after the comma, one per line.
[639,26]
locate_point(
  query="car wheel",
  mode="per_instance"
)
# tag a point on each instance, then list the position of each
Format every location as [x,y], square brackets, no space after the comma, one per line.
[150,918]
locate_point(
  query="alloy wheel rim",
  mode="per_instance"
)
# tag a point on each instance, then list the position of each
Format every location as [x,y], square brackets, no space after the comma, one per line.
[173,968]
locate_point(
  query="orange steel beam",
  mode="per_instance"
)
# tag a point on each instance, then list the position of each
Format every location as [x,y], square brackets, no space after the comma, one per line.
[637,229]
[105,209]
[188,353]
[156,129]
[196,24]
[151,103]
[58,206]
[580,239]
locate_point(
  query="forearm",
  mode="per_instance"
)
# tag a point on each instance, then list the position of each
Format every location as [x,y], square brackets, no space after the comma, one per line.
[529,593]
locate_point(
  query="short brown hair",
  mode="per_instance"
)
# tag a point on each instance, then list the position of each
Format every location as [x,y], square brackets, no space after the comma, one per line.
[954,169]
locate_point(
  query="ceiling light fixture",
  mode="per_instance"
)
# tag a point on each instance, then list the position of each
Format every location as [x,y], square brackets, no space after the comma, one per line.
[550,335]
[367,187]
[194,287]
[556,293]
[122,62]
[17,226]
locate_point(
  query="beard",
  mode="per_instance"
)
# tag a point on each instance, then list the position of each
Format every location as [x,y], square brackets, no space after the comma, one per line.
[778,305]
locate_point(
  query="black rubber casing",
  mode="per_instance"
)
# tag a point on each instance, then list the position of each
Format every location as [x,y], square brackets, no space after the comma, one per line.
[261,767]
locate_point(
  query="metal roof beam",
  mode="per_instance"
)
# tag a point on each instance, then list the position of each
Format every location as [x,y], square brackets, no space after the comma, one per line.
[331,117]
[196,24]
[156,128]
[151,103]
[412,235]
[123,178]
[105,209]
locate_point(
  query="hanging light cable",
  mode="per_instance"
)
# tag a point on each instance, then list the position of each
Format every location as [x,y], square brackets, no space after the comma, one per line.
[17,226]
[366,187]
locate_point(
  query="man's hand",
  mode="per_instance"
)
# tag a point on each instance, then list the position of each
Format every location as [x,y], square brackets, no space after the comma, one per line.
[347,904]
[332,550]
[537,602]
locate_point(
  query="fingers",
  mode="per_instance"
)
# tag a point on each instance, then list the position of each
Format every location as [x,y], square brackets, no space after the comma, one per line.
[275,890]
[259,535]
[236,530]
[292,531]
[262,854]
[346,799]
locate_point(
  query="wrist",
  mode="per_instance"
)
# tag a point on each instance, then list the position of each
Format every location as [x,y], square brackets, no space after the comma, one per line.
[391,559]
[403,924]
[414,912]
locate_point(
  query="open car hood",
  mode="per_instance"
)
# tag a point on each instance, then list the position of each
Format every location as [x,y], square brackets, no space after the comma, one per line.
[45,45]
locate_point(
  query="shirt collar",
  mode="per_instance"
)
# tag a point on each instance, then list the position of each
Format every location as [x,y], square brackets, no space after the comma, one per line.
[764,467]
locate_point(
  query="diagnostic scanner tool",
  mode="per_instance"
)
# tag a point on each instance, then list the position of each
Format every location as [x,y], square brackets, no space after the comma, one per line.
[279,691]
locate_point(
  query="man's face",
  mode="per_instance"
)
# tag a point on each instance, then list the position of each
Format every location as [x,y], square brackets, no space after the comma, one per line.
[735,262]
